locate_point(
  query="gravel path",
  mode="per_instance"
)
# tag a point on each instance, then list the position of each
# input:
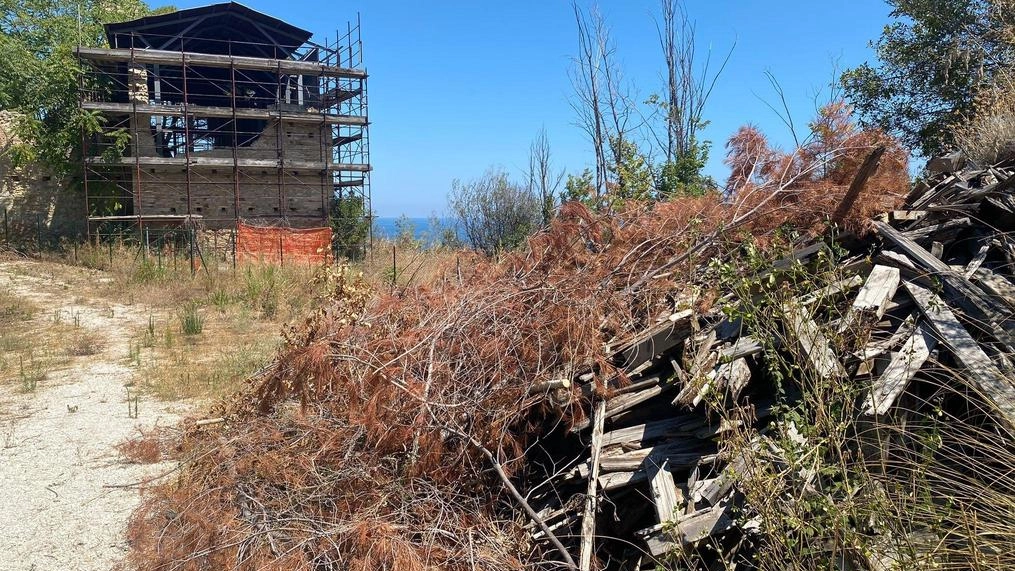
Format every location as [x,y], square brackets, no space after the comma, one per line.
[57,444]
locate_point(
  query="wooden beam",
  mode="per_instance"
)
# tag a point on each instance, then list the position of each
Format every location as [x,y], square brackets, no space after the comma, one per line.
[655,430]
[868,168]
[193,59]
[997,285]
[592,495]
[902,368]
[872,300]
[224,112]
[971,298]
[664,492]
[688,530]
[812,343]
[992,384]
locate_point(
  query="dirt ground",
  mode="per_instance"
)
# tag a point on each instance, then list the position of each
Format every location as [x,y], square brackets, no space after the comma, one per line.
[66,494]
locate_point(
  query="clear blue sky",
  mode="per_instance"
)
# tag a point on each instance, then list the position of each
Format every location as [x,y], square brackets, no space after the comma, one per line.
[457,86]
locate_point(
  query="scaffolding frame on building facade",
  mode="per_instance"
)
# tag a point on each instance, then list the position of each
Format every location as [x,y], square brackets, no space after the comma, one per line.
[161,129]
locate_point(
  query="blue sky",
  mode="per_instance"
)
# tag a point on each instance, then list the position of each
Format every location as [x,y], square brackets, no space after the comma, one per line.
[458,86]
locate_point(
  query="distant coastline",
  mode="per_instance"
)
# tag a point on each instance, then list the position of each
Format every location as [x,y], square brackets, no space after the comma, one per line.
[386,227]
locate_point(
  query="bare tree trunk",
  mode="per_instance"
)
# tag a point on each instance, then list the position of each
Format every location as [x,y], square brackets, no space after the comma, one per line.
[602,103]
[543,181]
[687,91]
[585,77]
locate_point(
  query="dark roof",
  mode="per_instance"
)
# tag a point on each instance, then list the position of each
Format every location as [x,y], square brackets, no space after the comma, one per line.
[228,27]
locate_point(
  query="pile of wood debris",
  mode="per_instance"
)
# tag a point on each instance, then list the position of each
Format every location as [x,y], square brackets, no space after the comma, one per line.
[848,406]
[928,290]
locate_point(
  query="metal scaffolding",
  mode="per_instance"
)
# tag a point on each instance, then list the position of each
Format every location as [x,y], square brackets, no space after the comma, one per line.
[198,122]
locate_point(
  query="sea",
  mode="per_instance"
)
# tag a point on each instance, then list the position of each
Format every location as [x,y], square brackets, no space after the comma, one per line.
[386,227]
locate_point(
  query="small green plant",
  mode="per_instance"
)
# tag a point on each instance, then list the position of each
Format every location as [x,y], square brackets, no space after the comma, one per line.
[191,321]
[221,299]
[148,339]
[30,371]
[134,353]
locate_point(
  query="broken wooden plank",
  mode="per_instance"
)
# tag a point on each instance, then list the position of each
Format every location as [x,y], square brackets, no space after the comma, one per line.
[980,307]
[654,430]
[902,368]
[868,168]
[680,454]
[978,259]
[736,375]
[812,342]
[659,339]
[664,492]
[948,163]
[742,347]
[878,348]
[872,300]
[832,289]
[688,530]
[592,496]
[991,382]
[996,285]
[925,232]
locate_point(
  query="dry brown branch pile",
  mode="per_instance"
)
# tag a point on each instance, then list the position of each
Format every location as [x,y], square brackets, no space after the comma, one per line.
[361,446]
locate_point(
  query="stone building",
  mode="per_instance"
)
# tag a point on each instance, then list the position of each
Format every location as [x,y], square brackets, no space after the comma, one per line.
[221,115]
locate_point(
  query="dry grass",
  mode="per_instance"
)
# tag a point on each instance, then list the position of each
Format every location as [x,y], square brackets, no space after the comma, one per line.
[32,343]
[988,136]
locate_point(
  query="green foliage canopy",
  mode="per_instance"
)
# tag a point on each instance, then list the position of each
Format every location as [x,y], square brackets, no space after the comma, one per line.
[932,58]
[39,75]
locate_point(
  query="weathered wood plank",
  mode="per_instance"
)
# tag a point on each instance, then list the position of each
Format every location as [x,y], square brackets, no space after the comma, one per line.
[991,382]
[900,371]
[812,343]
[654,430]
[592,496]
[832,289]
[878,348]
[680,454]
[996,285]
[664,492]
[868,168]
[660,338]
[872,299]
[971,298]
[736,375]
[688,530]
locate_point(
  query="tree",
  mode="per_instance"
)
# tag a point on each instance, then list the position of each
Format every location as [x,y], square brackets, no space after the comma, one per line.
[631,174]
[932,59]
[602,101]
[688,87]
[350,226]
[494,213]
[39,73]
[544,181]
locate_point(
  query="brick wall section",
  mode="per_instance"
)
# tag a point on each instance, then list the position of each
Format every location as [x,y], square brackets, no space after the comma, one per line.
[163,190]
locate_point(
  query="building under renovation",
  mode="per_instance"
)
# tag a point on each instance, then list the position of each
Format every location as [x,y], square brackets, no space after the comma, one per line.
[220,118]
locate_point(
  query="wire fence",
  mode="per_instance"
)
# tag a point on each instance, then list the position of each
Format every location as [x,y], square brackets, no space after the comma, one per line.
[391,263]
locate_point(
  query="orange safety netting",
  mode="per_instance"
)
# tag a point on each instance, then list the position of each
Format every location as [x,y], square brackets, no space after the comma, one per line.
[282,245]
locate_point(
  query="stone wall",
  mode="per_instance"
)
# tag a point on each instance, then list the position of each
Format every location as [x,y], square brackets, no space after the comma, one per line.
[36,202]
[163,190]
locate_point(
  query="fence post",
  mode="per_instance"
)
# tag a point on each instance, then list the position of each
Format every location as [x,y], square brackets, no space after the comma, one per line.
[190,240]
[38,232]
[394,268]
[234,250]
[7,236]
